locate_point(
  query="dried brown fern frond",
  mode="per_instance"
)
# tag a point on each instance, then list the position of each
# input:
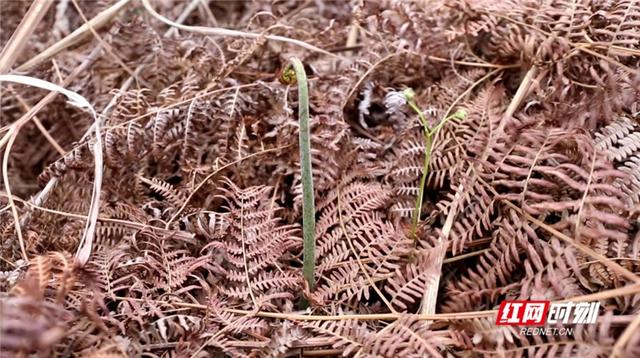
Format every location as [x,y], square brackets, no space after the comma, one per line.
[496,272]
[621,142]
[110,271]
[165,189]
[198,249]
[549,37]
[171,266]
[405,337]
[554,274]
[45,328]
[353,235]
[407,286]
[250,245]
[52,275]
[560,175]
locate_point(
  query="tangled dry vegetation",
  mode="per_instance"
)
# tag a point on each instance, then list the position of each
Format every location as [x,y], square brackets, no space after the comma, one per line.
[532,193]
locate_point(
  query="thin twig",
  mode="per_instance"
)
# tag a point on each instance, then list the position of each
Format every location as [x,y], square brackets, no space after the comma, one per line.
[216,31]
[40,127]
[616,292]
[464,256]
[105,45]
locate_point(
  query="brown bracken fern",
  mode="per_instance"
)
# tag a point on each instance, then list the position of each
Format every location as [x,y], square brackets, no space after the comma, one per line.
[533,193]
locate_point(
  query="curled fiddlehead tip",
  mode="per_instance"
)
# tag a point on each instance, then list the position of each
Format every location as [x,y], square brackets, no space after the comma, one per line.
[409,95]
[459,114]
[287,75]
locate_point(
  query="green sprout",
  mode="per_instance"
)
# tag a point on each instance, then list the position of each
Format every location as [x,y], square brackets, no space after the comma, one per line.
[429,135]
[295,74]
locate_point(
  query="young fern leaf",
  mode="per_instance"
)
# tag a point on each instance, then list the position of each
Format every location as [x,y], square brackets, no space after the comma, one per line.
[409,96]
[429,135]
[294,73]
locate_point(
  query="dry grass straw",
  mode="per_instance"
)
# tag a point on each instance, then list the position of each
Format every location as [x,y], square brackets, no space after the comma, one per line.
[84,249]
[217,31]
[21,36]
[615,292]
[97,22]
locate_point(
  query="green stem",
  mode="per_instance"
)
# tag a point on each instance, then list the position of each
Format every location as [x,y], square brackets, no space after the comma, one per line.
[308,206]
[423,181]
[428,136]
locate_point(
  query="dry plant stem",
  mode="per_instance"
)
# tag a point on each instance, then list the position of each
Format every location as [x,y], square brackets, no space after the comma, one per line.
[616,292]
[7,187]
[182,235]
[20,37]
[472,64]
[41,128]
[521,93]
[464,256]
[185,14]
[584,196]
[216,31]
[105,45]
[618,347]
[100,20]
[203,6]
